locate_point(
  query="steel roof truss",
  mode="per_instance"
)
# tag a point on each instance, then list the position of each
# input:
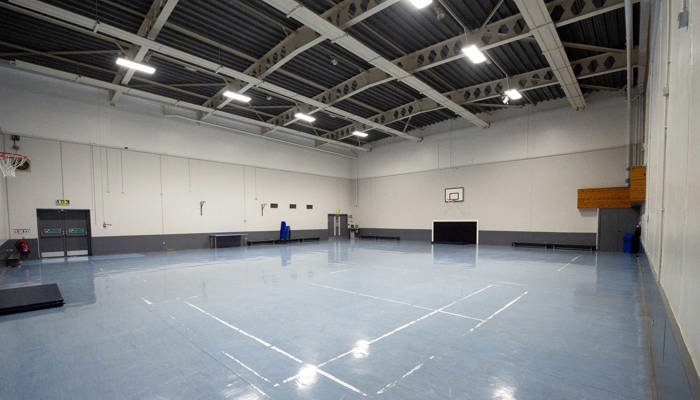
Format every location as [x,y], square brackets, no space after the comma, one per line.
[584,68]
[492,35]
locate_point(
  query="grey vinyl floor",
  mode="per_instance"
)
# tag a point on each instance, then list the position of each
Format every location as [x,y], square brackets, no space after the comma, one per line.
[331,320]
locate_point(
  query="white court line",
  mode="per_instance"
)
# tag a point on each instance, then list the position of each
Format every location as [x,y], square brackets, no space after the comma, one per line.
[340,382]
[242,364]
[274,348]
[340,270]
[404,376]
[569,263]
[241,331]
[257,389]
[400,328]
[512,283]
[498,312]
[392,301]
[145,300]
[393,331]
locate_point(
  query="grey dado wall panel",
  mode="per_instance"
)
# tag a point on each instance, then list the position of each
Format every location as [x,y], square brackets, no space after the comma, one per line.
[508,237]
[130,244]
[102,245]
[9,245]
[505,238]
[673,367]
[404,234]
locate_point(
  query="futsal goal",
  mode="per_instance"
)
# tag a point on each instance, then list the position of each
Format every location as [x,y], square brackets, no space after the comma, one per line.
[455,231]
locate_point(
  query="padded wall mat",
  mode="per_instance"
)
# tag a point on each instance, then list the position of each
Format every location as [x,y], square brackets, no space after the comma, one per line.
[29,298]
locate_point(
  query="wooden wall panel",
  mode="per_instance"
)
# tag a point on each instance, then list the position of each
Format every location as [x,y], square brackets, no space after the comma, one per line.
[638,183]
[614,197]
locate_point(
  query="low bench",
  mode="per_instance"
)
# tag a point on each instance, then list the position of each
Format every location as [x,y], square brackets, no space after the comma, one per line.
[214,238]
[376,237]
[278,241]
[555,246]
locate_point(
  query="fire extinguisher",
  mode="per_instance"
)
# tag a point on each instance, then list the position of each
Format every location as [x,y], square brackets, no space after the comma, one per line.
[23,246]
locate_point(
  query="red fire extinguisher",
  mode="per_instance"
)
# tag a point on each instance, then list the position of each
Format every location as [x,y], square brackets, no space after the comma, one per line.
[23,246]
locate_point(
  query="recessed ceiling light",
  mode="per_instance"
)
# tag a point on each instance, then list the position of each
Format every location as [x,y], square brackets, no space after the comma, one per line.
[237,96]
[136,66]
[475,55]
[360,134]
[513,94]
[304,117]
[421,3]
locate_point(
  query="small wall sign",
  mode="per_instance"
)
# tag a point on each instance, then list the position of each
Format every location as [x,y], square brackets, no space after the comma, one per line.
[62,202]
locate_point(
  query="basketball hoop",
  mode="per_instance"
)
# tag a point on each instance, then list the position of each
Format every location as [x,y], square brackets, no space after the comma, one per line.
[9,162]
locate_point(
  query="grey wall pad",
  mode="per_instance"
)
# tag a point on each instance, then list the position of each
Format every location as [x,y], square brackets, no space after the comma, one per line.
[673,370]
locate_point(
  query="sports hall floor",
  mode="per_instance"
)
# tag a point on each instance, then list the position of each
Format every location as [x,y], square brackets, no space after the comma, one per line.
[331,320]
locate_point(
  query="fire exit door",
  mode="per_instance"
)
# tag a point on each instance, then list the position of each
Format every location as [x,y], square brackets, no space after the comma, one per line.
[63,232]
[338,225]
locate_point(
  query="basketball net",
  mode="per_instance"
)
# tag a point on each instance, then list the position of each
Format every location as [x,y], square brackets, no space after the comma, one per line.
[9,162]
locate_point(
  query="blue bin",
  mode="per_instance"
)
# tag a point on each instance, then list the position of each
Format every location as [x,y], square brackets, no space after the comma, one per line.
[283,230]
[627,243]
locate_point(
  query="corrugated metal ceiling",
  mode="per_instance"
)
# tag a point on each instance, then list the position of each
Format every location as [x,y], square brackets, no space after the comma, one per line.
[236,33]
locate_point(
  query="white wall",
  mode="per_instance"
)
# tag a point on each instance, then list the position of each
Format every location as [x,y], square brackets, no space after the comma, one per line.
[141,173]
[42,107]
[671,234]
[137,193]
[521,174]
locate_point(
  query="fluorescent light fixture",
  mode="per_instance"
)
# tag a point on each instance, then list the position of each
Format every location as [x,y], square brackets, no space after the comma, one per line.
[513,94]
[475,55]
[360,134]
[237,96]
[134,65]
[421,3]
[304,117]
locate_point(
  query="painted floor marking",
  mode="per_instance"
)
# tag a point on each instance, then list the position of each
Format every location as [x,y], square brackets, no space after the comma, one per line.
[276,349]
[404,376]
[399,329]
[406,325]
[340,270]
[239,330]
[145,300]
[352,292]
[511,283]
[500,310]
[340,382]
[569,263]
[242,364]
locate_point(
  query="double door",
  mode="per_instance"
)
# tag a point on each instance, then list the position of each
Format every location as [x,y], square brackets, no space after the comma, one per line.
[338,225]
[63,233]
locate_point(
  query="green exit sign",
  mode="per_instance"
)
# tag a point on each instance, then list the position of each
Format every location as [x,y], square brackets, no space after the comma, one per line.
[62,202]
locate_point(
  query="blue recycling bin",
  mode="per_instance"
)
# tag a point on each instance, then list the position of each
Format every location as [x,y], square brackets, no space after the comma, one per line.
[627,243]
[283,230]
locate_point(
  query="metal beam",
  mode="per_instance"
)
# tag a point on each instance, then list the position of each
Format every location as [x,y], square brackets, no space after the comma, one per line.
[61,53]
[92,25]
[167,100]
[537,17]
[585,68]
[346,41]
[344,15]
[590,47]
[493,35]
[154,21]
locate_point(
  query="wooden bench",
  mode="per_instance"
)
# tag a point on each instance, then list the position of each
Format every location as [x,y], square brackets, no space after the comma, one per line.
[214,238]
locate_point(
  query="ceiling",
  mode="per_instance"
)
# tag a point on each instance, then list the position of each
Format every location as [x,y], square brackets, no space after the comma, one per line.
[381,67]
